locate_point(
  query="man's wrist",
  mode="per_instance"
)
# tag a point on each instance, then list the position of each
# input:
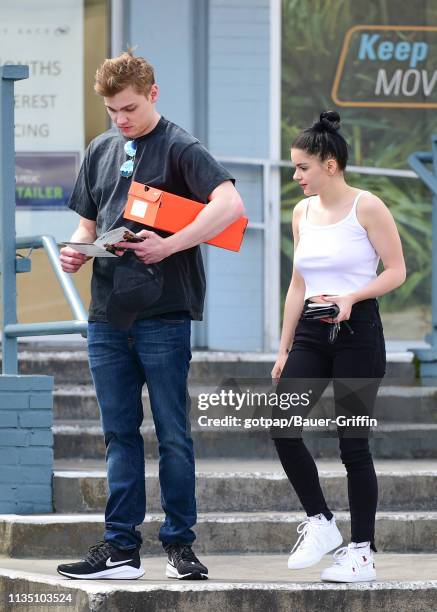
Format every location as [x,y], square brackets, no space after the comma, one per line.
[170,245]
[175,243]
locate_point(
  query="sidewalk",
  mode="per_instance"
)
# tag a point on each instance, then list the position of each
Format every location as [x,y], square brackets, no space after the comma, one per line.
[246,569]
[247,583]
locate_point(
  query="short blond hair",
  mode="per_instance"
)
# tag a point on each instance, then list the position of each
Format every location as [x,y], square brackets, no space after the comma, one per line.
[117,73]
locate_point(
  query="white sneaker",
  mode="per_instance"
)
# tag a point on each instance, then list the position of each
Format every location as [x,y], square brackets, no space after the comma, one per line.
[353,563]
[318,536]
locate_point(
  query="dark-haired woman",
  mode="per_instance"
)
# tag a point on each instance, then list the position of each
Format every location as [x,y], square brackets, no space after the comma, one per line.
[340,233]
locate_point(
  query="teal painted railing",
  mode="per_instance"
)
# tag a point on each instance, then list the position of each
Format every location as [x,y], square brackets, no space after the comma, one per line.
[10,264]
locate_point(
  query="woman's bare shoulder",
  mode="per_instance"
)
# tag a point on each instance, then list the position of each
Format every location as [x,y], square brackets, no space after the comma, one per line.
[299,208]
[370,201]
[371,209]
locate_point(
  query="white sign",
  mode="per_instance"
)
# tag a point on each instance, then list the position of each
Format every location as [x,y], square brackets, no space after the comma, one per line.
[47,36]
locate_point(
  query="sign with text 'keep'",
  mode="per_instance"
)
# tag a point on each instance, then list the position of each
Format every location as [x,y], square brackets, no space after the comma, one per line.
[387,66]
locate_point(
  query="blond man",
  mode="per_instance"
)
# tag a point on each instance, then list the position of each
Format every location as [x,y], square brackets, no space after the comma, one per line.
[148,341]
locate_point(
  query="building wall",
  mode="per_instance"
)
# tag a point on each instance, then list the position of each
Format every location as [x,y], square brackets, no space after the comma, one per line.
[238,122]
[40,297]
[26,444]
[223,101]
[239,77]
[162,31]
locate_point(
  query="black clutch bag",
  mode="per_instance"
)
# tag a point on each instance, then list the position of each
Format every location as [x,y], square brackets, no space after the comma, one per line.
[320,311]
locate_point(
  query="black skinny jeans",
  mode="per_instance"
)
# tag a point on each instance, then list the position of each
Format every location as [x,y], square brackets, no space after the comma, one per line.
[352,356]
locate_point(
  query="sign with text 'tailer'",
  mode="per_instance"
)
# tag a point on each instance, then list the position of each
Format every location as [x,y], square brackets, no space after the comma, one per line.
[49,116]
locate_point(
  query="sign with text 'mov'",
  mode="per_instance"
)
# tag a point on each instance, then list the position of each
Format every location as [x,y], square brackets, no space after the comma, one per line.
[387,66]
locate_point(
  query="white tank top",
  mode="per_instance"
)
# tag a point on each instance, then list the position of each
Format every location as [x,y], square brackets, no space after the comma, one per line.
[336,258]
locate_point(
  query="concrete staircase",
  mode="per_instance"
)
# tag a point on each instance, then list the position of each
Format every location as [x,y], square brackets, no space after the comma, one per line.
[248,514]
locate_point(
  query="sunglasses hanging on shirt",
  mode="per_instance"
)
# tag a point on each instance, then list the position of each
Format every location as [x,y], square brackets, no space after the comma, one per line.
[127,167]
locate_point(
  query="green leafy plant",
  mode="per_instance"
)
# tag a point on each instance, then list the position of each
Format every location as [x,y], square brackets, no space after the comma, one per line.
[312,36]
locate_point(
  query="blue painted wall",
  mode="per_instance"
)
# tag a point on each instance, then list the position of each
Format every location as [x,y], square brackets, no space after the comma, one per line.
[236,120]
[26,444]
[239,77]
[162,31]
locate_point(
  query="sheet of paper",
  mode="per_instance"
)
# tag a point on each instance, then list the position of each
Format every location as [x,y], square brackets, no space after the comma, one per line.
[111,237]
[97,249]
[92,250]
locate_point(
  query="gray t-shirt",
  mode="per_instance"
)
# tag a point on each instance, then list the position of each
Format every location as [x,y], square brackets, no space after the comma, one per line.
[167,158]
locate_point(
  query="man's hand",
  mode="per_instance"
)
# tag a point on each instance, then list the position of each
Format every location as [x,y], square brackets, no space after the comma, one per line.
[71,260]
[152,249]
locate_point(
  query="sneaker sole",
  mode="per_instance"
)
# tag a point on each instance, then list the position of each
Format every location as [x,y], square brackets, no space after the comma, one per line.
[327,578]
[126,572]
[305,565]
[172,572]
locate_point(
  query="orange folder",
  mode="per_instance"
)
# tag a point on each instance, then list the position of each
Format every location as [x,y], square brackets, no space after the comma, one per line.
[170,212]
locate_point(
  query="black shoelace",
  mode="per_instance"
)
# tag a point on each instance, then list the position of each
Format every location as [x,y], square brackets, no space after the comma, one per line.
[98,552]
[184,553]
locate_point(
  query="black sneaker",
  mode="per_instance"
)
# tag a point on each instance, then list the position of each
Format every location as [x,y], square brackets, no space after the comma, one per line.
[183,564]
[104,560]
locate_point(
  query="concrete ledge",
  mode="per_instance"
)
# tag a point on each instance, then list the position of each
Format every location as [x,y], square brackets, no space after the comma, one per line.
[230,491]
[258,532]
[210,367]
[391,441]
[237,583]
[394,403]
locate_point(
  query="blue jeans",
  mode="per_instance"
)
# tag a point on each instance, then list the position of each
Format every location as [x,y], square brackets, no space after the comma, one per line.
[157,352]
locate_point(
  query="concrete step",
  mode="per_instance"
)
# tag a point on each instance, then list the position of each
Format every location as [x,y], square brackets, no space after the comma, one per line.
[407,404]
[255,583]
[49,535]
[207,367]
[229,486]
[389,441]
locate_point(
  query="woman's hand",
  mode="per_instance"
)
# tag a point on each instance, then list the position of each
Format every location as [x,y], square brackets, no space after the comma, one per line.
[344,302]
[279,366]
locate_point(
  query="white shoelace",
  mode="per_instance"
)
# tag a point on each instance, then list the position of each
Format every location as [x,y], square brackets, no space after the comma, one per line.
[347,556]
[306,530]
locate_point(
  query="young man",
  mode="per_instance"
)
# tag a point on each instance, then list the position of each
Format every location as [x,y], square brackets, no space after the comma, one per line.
[155,349]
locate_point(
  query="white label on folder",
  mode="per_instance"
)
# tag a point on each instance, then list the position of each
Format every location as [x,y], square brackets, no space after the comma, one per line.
[139,208]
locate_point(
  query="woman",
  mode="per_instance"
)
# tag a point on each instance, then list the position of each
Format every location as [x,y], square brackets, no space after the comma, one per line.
[340,233]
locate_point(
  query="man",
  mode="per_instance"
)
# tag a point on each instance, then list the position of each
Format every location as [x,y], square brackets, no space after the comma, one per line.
[155,350]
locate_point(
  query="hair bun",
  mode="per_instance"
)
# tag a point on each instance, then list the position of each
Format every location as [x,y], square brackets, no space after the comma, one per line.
[329,122]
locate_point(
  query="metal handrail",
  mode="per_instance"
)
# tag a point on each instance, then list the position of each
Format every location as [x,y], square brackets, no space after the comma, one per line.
[9,263]
[282,163]
[79,323]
